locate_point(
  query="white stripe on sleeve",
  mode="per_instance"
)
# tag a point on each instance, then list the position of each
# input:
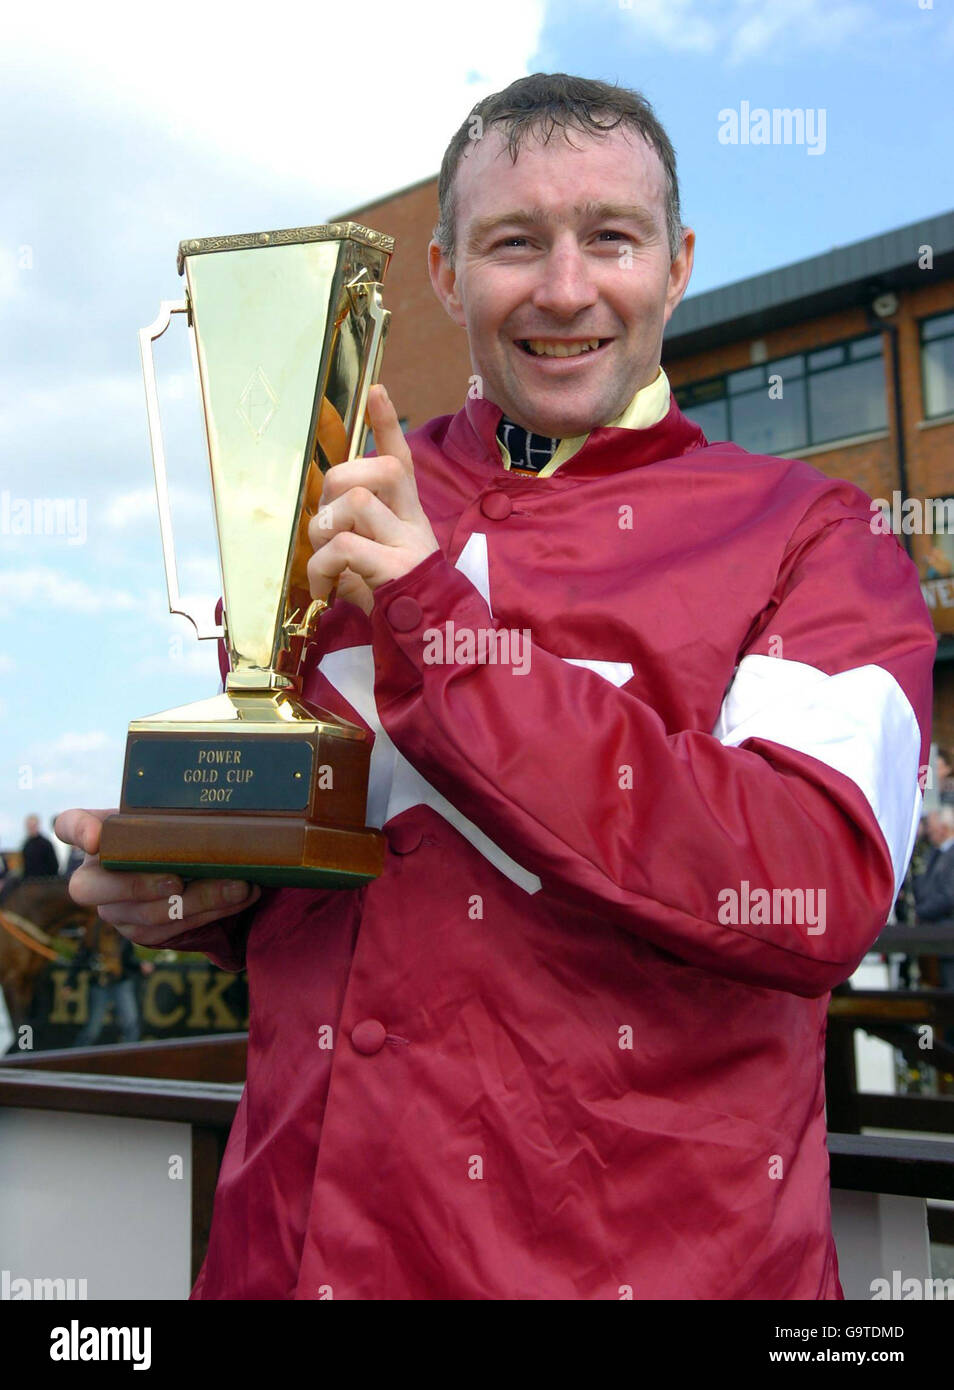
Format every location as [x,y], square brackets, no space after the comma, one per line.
[859,722]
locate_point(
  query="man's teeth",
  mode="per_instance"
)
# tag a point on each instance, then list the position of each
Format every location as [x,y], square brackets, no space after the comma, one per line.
[545,349]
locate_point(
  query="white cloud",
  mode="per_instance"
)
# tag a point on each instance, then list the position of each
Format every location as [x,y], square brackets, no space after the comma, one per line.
[679,25]
[309,92]
[42,587]
[774,30]
[7,664]
[747,29]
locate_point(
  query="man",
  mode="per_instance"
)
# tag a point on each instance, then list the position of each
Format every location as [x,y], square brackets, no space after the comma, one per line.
[39,856]
[574,1055]
[945,776]
[114,968]
[934,888]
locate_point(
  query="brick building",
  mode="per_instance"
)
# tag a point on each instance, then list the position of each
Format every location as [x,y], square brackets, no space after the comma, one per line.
[426,361]
[845,359]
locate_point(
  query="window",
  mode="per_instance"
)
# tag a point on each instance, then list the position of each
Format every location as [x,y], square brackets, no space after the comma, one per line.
[796,401]
[937,365]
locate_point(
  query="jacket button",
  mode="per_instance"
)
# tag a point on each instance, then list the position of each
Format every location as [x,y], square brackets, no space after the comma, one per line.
[496,505]
[404,613]
[404,839]
[367,1037]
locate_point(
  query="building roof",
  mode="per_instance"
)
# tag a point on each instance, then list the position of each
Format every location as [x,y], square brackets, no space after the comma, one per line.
[353,214]
[841,278]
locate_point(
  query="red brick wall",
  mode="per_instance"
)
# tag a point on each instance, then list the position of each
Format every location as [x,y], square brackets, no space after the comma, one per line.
[426,362]
[872,465]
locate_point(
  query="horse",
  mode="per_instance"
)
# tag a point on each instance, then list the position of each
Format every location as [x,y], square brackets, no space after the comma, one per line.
[33,913]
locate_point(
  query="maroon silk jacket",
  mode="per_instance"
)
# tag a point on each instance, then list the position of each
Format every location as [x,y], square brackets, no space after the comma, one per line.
[570,1045]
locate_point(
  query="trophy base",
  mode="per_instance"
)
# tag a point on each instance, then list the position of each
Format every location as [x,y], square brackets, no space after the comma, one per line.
[285,853]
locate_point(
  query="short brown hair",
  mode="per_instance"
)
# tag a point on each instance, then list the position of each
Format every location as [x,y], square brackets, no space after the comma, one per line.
[543,103]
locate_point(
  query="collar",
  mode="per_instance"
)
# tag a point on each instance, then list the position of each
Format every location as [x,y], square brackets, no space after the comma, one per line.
[649,405]
[630,441]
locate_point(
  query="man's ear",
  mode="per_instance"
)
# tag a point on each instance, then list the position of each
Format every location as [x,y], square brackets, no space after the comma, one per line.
[444,281]
[680,271]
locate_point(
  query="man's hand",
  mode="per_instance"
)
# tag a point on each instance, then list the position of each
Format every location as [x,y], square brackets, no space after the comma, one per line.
[137,905]
[370,526]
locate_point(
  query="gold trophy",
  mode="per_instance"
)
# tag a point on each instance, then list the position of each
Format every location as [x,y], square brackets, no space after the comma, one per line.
[287,330]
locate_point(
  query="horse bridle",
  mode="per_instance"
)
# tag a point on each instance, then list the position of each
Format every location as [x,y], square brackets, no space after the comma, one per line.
[33,937]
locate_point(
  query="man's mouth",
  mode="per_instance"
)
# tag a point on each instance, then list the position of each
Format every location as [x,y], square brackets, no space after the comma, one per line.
[551,347]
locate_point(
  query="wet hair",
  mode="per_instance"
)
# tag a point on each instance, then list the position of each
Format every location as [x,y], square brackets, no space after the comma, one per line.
[540,105]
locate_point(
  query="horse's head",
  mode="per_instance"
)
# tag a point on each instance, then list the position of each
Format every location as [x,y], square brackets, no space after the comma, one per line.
[46,902]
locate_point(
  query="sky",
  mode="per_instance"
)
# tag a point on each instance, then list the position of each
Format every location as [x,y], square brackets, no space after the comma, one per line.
[128,128]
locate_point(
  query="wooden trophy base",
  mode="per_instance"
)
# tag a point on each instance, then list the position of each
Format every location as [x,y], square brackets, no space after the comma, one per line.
[256,849]
[259,788]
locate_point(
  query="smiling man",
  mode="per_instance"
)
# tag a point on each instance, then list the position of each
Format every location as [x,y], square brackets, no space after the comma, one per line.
[577,1026]
[560,336]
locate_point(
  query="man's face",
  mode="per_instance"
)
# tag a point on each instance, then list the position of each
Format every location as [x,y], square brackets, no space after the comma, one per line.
[566,247]
[32,825]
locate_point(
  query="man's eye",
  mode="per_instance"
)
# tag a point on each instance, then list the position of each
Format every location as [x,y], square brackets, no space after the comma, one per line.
[512,241]
[613,235]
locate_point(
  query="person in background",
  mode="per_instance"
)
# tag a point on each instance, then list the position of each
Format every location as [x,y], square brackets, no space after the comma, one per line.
[944,763]
[39,856]
[934,888]
[113,965]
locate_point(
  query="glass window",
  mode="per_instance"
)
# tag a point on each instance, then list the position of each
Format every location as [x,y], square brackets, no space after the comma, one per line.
[786,367]
[826,357]
[846,402]
[938,561]
[937,360]
[712,417]
[937,365]
[767,425]
[827,394]
[711,390]
[745,380]
[865,347]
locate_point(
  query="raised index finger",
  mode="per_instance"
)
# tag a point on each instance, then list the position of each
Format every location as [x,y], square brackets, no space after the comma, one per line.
[388,435]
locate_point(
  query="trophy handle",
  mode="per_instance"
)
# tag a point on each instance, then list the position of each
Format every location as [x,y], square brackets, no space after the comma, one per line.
[147,336]
[366,298]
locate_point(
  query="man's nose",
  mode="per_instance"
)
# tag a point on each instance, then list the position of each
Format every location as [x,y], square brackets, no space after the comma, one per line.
[566,285]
